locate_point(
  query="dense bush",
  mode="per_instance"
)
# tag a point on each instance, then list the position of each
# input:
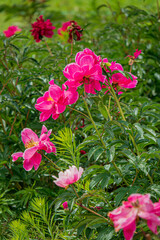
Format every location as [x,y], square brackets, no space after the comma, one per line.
[113,137]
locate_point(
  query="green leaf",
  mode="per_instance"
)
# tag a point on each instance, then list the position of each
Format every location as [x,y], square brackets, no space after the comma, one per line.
[102,109]
[106,234]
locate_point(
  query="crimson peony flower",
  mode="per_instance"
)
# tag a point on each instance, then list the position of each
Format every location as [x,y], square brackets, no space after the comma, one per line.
[126,216]
[86,70]
[33,144]
[82,152]
[73,29]
[11,31]
[42,28]
[68,177]
[55,100]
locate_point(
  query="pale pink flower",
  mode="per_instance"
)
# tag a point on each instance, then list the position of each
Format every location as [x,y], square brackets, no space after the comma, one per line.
[55,100]
[125,217]
[33,144]
[65,205]
[11,31]
[68,177]
[86,70]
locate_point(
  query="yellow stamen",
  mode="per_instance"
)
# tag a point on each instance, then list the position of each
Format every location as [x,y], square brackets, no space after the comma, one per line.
[50,99]
[30,144]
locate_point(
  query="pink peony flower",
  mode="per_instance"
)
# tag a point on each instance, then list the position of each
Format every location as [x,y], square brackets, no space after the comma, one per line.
[11,31]
[118,80]
[126,216]
[65,205]
[86,70]
[113,66]
[55,100]
[157,208]
[73,29]
[68,177]
[42,28]
[33,144]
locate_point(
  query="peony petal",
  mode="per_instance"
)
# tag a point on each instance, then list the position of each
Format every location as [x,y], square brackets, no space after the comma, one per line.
[28,135]
[55,92]
[28,153]
[27,164]
[129,231]
[15,156]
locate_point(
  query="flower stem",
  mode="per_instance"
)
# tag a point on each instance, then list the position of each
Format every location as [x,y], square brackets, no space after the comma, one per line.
[49,50]
[90,116]
[75,191]
[120,174]
[51,162]
[90,210]
[78,112]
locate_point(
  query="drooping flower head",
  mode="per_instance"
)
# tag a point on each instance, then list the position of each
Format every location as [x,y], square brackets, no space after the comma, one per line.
[68,177]
[132,58]
[11,31]
[86,70]
[42,28]
[32,145]
[55,100]
[73,29]
[126,216]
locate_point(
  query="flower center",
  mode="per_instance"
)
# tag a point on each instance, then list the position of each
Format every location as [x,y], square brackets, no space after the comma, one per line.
[50,99]
[30,144]
[86,79]
[136,204]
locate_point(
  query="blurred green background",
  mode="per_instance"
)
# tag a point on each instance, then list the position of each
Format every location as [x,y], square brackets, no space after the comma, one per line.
[12,11]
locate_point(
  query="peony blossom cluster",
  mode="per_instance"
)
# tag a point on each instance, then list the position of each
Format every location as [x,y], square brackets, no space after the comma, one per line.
[68,177]
[85,71]
[42,28]
[11,31]
[33,144]
[138,206]
[73,29]
[55,100]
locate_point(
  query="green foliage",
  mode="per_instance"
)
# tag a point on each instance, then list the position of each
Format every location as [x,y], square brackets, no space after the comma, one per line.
[121,155]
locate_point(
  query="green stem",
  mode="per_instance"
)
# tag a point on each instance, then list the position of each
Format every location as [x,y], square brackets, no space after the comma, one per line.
[51,162]
[90,210]
[123,117]
[110,118]
[150,178]
[120,174]
[79,112]
[90,116]
[75,191]
[49,50]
